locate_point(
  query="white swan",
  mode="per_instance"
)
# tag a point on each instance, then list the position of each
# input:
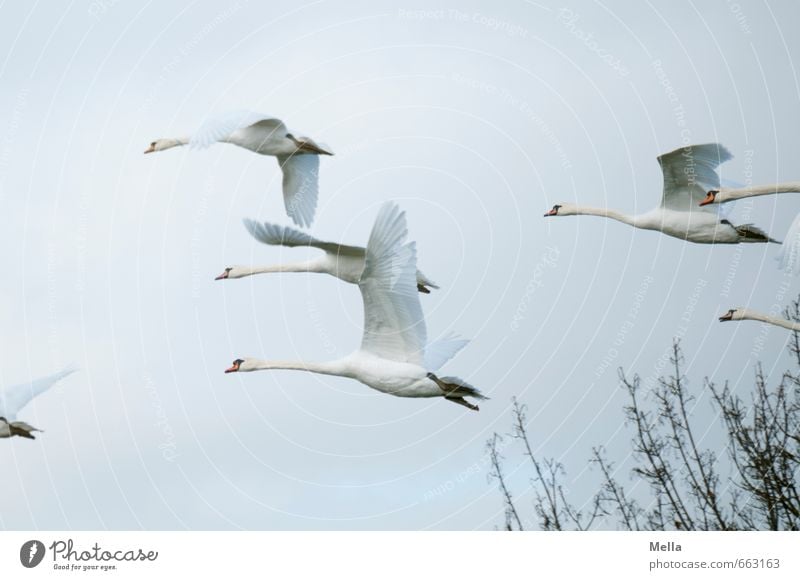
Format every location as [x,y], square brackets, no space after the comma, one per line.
[747,314]
[393,357]
[13,399]
[731,194]
[679,215]
[344,262]
[297,156]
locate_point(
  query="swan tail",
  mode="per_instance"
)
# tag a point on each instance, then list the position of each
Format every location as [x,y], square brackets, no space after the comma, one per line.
[424,284]
[751,233]
[455,389]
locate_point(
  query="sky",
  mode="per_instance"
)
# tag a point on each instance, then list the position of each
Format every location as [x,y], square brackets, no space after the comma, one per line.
[476,120]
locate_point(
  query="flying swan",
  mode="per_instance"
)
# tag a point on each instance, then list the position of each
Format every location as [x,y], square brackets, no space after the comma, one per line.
[732,194]
[393,357]
[747,314]
[13,399]
[344,262]
[297,156]
[678,215]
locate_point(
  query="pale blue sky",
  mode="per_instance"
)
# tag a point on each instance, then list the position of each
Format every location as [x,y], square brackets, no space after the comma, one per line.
[476,120]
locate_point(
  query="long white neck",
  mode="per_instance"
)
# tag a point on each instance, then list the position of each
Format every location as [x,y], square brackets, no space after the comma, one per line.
[608,213]
[752,315]
[730,194]
[335,367]
[310,266]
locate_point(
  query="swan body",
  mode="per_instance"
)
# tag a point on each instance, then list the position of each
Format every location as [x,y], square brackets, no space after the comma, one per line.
[679,214]
[394,357]
[297,156]
[343,262]
[718,196]
[14,399]
[747,314]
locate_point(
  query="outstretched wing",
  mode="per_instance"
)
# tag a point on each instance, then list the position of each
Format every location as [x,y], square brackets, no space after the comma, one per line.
[13,399]
[275,235]
[394,327]
[220,127]
[440,351]
[300,186]
[689,172]
[789,255]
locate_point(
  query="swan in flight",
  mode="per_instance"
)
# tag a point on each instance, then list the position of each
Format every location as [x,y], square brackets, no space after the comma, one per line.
[344,262]
[297,156]
[13,399]
[393,357]
[747,314]
[678,215]
[732,194]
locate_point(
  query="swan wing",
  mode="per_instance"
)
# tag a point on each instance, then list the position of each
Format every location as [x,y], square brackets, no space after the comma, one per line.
[300,186]
[440,351]
[394,327]
[220,127]
[13,399]
[689,172]
[275,235]
[789,255]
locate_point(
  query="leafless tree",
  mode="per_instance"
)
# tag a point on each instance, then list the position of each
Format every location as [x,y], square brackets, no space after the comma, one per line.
[685,488]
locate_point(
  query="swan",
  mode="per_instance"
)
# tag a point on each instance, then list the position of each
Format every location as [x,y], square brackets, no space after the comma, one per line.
[732,194]
[344,262]
[678,215]
[13,399]
[393,357]
[747,314]
[297,156]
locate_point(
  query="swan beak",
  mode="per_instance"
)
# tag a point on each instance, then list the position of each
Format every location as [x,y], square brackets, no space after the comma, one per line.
[233,369]
[709,198]
[150,149]
[551,212]
[725,317]
[222,276]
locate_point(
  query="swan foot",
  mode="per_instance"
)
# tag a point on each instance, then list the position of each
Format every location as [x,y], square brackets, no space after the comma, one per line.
[462,401]
[750,232]
[422,288]
[455,392]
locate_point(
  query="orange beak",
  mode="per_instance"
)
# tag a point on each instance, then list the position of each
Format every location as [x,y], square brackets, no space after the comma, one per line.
[233,369]
[150,149]
[551,212]
[709,198]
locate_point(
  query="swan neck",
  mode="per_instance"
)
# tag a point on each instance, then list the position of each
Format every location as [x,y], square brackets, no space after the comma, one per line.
[777,321]
[756,190]
[322,368]
[607,213]
[277,268]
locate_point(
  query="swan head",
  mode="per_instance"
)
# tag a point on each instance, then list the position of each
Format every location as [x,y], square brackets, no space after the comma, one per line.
[711,197]
[161,145]
[562,209]
[239,365]
[233,272]
[734,314]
